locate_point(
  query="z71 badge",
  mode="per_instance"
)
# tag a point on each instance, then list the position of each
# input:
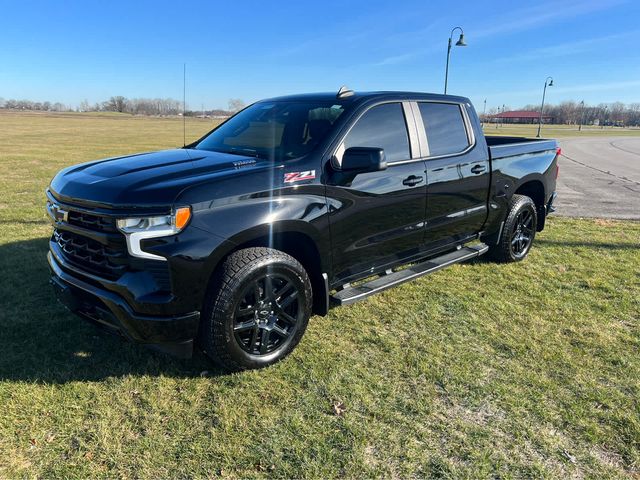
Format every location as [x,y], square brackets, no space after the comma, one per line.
[293,177]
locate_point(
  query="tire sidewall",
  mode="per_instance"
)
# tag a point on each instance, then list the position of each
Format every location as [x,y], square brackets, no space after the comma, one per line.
[276,264]
[522,203]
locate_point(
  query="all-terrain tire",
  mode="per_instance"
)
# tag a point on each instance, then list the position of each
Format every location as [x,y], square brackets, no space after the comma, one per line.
[518,231]
[248,295]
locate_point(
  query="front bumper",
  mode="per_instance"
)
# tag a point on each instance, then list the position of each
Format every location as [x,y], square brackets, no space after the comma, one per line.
[173,334]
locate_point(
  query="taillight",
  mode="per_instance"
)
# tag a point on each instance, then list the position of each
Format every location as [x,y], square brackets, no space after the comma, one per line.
[558,153]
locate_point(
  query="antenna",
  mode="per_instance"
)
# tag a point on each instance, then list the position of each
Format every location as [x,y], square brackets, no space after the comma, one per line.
[184,104]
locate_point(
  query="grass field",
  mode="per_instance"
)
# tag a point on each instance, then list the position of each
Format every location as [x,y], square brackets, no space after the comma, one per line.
[557,131]
[481,370]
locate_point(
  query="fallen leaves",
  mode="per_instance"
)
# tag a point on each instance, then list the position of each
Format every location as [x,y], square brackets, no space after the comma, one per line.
[569,457]
[338,408]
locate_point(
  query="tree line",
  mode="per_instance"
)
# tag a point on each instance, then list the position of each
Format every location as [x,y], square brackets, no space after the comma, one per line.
[575,113]
[135,106]
[568,113]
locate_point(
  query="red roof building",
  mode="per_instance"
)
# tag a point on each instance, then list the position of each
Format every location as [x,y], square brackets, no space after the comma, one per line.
[519,116]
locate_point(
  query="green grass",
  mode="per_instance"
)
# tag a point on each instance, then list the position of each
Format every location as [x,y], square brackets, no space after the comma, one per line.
[557,131]
[480,370]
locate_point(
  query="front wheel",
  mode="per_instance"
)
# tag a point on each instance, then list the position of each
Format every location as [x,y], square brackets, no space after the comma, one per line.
[257,309]
[518,231]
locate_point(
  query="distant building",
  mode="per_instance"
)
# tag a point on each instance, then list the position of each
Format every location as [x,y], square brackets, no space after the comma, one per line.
[519,116]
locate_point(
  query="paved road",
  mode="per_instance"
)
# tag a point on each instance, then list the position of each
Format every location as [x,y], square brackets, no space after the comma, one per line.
[599,177]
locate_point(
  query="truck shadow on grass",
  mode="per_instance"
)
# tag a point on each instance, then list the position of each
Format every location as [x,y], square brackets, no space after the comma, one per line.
[41,341]
[596,245]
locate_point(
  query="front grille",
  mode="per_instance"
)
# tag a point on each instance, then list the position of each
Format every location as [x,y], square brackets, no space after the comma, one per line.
[92,222]
[90,255]
[76,239]
[77,235]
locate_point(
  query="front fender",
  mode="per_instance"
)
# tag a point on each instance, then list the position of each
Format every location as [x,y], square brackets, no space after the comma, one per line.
[300,210]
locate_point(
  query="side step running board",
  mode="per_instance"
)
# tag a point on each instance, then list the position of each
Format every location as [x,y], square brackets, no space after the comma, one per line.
[352,294]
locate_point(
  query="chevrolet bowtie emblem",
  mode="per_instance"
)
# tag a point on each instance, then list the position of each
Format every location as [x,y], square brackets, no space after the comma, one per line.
[58,214]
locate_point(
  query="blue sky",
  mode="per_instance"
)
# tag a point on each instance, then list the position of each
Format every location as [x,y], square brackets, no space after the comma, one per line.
[69,51]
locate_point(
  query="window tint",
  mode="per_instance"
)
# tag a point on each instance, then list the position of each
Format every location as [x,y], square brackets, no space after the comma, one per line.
[445,128]
[276,130]
[382,127]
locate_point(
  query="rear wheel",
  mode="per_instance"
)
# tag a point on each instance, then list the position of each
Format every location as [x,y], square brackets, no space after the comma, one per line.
[518,231]
[258,311]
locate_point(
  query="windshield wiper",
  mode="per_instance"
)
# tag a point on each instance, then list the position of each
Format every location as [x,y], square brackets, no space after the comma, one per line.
[245,152]
[250,152]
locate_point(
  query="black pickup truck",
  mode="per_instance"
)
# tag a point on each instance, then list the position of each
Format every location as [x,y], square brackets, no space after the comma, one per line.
[290,206]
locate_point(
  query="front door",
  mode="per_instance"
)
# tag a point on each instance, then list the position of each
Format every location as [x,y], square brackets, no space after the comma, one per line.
[378,217]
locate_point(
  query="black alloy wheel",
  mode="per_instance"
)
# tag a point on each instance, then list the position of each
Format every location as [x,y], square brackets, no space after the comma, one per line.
[256,310]
[522,233]
[267,314]
[518,232]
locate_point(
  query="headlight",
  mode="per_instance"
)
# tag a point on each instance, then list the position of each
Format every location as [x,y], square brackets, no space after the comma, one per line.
[138,229]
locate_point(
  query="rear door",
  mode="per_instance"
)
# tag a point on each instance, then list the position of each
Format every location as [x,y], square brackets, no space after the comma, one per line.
[458,173]
[378,217]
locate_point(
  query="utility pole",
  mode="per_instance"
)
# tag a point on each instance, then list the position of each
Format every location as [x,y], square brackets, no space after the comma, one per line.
[581,115]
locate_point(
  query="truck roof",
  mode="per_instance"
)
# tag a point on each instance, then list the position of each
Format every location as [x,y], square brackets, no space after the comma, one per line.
[358,97]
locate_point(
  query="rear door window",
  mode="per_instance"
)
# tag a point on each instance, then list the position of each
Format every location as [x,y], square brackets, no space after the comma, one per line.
[382,126]
[445,128]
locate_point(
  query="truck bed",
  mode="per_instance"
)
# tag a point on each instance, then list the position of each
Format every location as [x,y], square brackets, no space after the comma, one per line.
[500,147]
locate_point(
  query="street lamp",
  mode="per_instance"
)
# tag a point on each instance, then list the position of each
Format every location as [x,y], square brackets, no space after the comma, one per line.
[548,82]
[484,111]
[459,43]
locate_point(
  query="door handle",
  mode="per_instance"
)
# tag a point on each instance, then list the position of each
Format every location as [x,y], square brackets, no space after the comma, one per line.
[478,169]
[412,180]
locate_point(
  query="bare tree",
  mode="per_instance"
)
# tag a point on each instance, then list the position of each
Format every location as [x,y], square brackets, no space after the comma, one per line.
[117,104]
[236,104]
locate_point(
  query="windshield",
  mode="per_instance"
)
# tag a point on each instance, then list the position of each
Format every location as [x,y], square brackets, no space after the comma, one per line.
[274,130]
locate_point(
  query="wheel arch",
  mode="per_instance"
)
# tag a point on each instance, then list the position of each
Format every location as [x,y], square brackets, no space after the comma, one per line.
[534,189]
[291,238]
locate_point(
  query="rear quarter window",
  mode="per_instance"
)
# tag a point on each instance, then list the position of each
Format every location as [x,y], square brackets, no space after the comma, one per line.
[445,128]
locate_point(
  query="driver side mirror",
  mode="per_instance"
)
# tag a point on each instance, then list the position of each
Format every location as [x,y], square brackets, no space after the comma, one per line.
[363,159]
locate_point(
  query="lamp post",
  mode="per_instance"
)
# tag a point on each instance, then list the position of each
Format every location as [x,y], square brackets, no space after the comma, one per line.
[484,110]
[499,117]
[548,82]
[581,115]
[459,43]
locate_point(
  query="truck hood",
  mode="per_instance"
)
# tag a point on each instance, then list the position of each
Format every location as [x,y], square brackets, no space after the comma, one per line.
[148,179]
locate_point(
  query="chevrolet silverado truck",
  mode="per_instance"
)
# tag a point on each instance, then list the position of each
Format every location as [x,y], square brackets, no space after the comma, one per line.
[289,207]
